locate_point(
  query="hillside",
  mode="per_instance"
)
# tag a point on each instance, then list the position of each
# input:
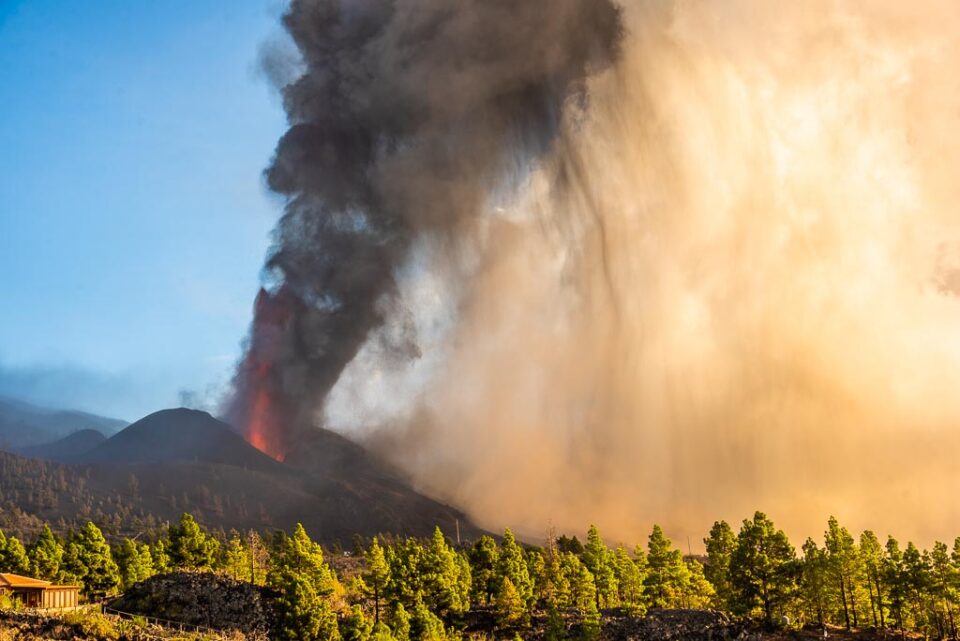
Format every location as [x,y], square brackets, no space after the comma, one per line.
[68,448]
[183,460]
[25,425]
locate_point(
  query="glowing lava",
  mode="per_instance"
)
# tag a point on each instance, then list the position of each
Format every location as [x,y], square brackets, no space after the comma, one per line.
[261,430]
[257,407]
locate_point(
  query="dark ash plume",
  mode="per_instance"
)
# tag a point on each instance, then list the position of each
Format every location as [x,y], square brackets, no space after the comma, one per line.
[407,116]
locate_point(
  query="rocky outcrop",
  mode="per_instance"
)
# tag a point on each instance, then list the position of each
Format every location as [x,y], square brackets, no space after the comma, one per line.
[678,625]
[201,599]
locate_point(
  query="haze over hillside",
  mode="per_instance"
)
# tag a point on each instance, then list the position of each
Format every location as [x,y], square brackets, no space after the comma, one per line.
[23,424]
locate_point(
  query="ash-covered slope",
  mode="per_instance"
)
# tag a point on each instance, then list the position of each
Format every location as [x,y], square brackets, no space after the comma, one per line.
[178,435]
[184,460]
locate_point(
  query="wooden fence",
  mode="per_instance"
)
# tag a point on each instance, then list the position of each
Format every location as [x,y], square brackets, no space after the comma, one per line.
[167,624]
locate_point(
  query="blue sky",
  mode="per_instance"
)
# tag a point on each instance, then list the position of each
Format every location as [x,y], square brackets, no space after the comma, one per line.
[133,216]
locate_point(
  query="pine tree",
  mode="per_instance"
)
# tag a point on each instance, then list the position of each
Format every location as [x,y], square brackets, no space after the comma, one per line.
[72,570]
[90,555]
[382,632]
[583,591]
[377,576]
[464,580]
[159,556]
[871,553]
[557,588]
[698,593]
[406,583]
[190,546]
[597,558]
[666,571]
[483,563]
[441,578]
[303,614]
[355,626]
[511,565]
[510,607]
[425,625]
[894,577]
[537,569]
[943,586]
[45,554]
[235,556]
[843,561]
[762,568]
[134,563]
[13,557]
[720,544]
[399,621]
[916,573]
[556,626]
[305,556]
[813,581]
[629,582]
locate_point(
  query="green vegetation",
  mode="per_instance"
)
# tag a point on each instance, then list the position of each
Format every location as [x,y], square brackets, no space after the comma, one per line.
[418,590]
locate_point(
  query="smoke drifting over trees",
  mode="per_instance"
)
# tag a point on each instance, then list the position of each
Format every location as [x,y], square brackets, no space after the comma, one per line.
[564,262]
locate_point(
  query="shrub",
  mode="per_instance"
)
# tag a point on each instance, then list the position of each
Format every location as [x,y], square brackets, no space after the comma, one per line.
[93,624]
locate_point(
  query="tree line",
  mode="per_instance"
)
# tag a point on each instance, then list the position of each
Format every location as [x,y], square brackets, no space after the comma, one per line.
[408,589]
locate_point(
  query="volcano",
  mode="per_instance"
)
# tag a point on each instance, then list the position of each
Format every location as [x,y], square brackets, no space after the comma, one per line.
[185,460]
[178,435]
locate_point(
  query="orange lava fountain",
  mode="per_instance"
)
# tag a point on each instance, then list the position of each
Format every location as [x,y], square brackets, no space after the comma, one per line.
[257,409]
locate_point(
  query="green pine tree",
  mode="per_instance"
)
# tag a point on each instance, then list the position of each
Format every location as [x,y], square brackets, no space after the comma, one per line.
[235,557]
[425,625]
[872,554]
[91,555]
[377,575]
[302,613]
[440,572]
[666,572]
[598,559]
[720,544]
[484,557]
[512,565]
[762,568]
[304,557]
[134,563]
[510,606]
[355,626]
[629,582]
[45,554]
[13,557]
[813,582]
[843,561]
[399,621]
[190,546]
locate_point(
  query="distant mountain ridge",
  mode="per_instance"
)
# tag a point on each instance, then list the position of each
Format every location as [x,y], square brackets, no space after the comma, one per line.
[186,460]
[25,425]
[67,449]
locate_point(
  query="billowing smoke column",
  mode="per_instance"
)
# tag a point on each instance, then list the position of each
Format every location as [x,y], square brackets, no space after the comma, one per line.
[731,285]
[407,116]
[566,264]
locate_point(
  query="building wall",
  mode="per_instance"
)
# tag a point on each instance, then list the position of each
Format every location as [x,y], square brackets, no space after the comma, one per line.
[60,598]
